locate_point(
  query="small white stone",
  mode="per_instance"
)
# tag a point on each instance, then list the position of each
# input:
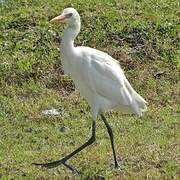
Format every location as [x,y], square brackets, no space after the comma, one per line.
[50,112]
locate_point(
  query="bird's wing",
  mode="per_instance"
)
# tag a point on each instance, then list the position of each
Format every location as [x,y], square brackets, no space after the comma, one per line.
[106,77]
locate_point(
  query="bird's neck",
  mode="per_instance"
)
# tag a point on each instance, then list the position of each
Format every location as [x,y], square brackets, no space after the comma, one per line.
[68,37]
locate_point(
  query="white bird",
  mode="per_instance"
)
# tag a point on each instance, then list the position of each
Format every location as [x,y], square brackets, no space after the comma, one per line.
[98,77]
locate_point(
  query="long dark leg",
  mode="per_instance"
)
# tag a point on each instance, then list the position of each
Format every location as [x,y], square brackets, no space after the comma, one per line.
[63,160]
[110,132]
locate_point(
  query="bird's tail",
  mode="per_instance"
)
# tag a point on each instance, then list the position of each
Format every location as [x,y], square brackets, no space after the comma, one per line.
[142,104]
[138,103]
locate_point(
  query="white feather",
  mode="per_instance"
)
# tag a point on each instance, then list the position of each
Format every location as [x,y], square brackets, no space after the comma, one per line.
[98,76]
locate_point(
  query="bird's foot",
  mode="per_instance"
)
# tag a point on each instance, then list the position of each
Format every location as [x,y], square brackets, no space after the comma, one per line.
[116,166]
[54,164]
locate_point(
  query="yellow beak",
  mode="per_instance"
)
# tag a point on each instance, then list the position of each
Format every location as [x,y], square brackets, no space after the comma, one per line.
[58,18]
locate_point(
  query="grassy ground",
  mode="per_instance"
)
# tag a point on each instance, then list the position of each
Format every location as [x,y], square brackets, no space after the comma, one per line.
[143,36]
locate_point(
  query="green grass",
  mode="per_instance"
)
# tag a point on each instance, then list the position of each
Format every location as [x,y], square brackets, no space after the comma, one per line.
[143,35]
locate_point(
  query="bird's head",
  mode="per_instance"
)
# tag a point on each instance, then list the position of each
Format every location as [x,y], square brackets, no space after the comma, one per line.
[69,16]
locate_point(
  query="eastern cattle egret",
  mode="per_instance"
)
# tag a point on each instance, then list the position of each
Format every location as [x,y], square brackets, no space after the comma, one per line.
[100,80]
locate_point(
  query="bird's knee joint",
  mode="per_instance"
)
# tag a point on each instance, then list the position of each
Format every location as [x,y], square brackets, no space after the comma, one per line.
[92,139]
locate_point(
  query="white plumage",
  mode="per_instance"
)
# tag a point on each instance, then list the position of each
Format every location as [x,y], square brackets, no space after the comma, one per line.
[100,80]
[97,76]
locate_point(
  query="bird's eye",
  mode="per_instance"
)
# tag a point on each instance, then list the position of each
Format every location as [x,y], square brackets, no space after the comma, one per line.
[69,15]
